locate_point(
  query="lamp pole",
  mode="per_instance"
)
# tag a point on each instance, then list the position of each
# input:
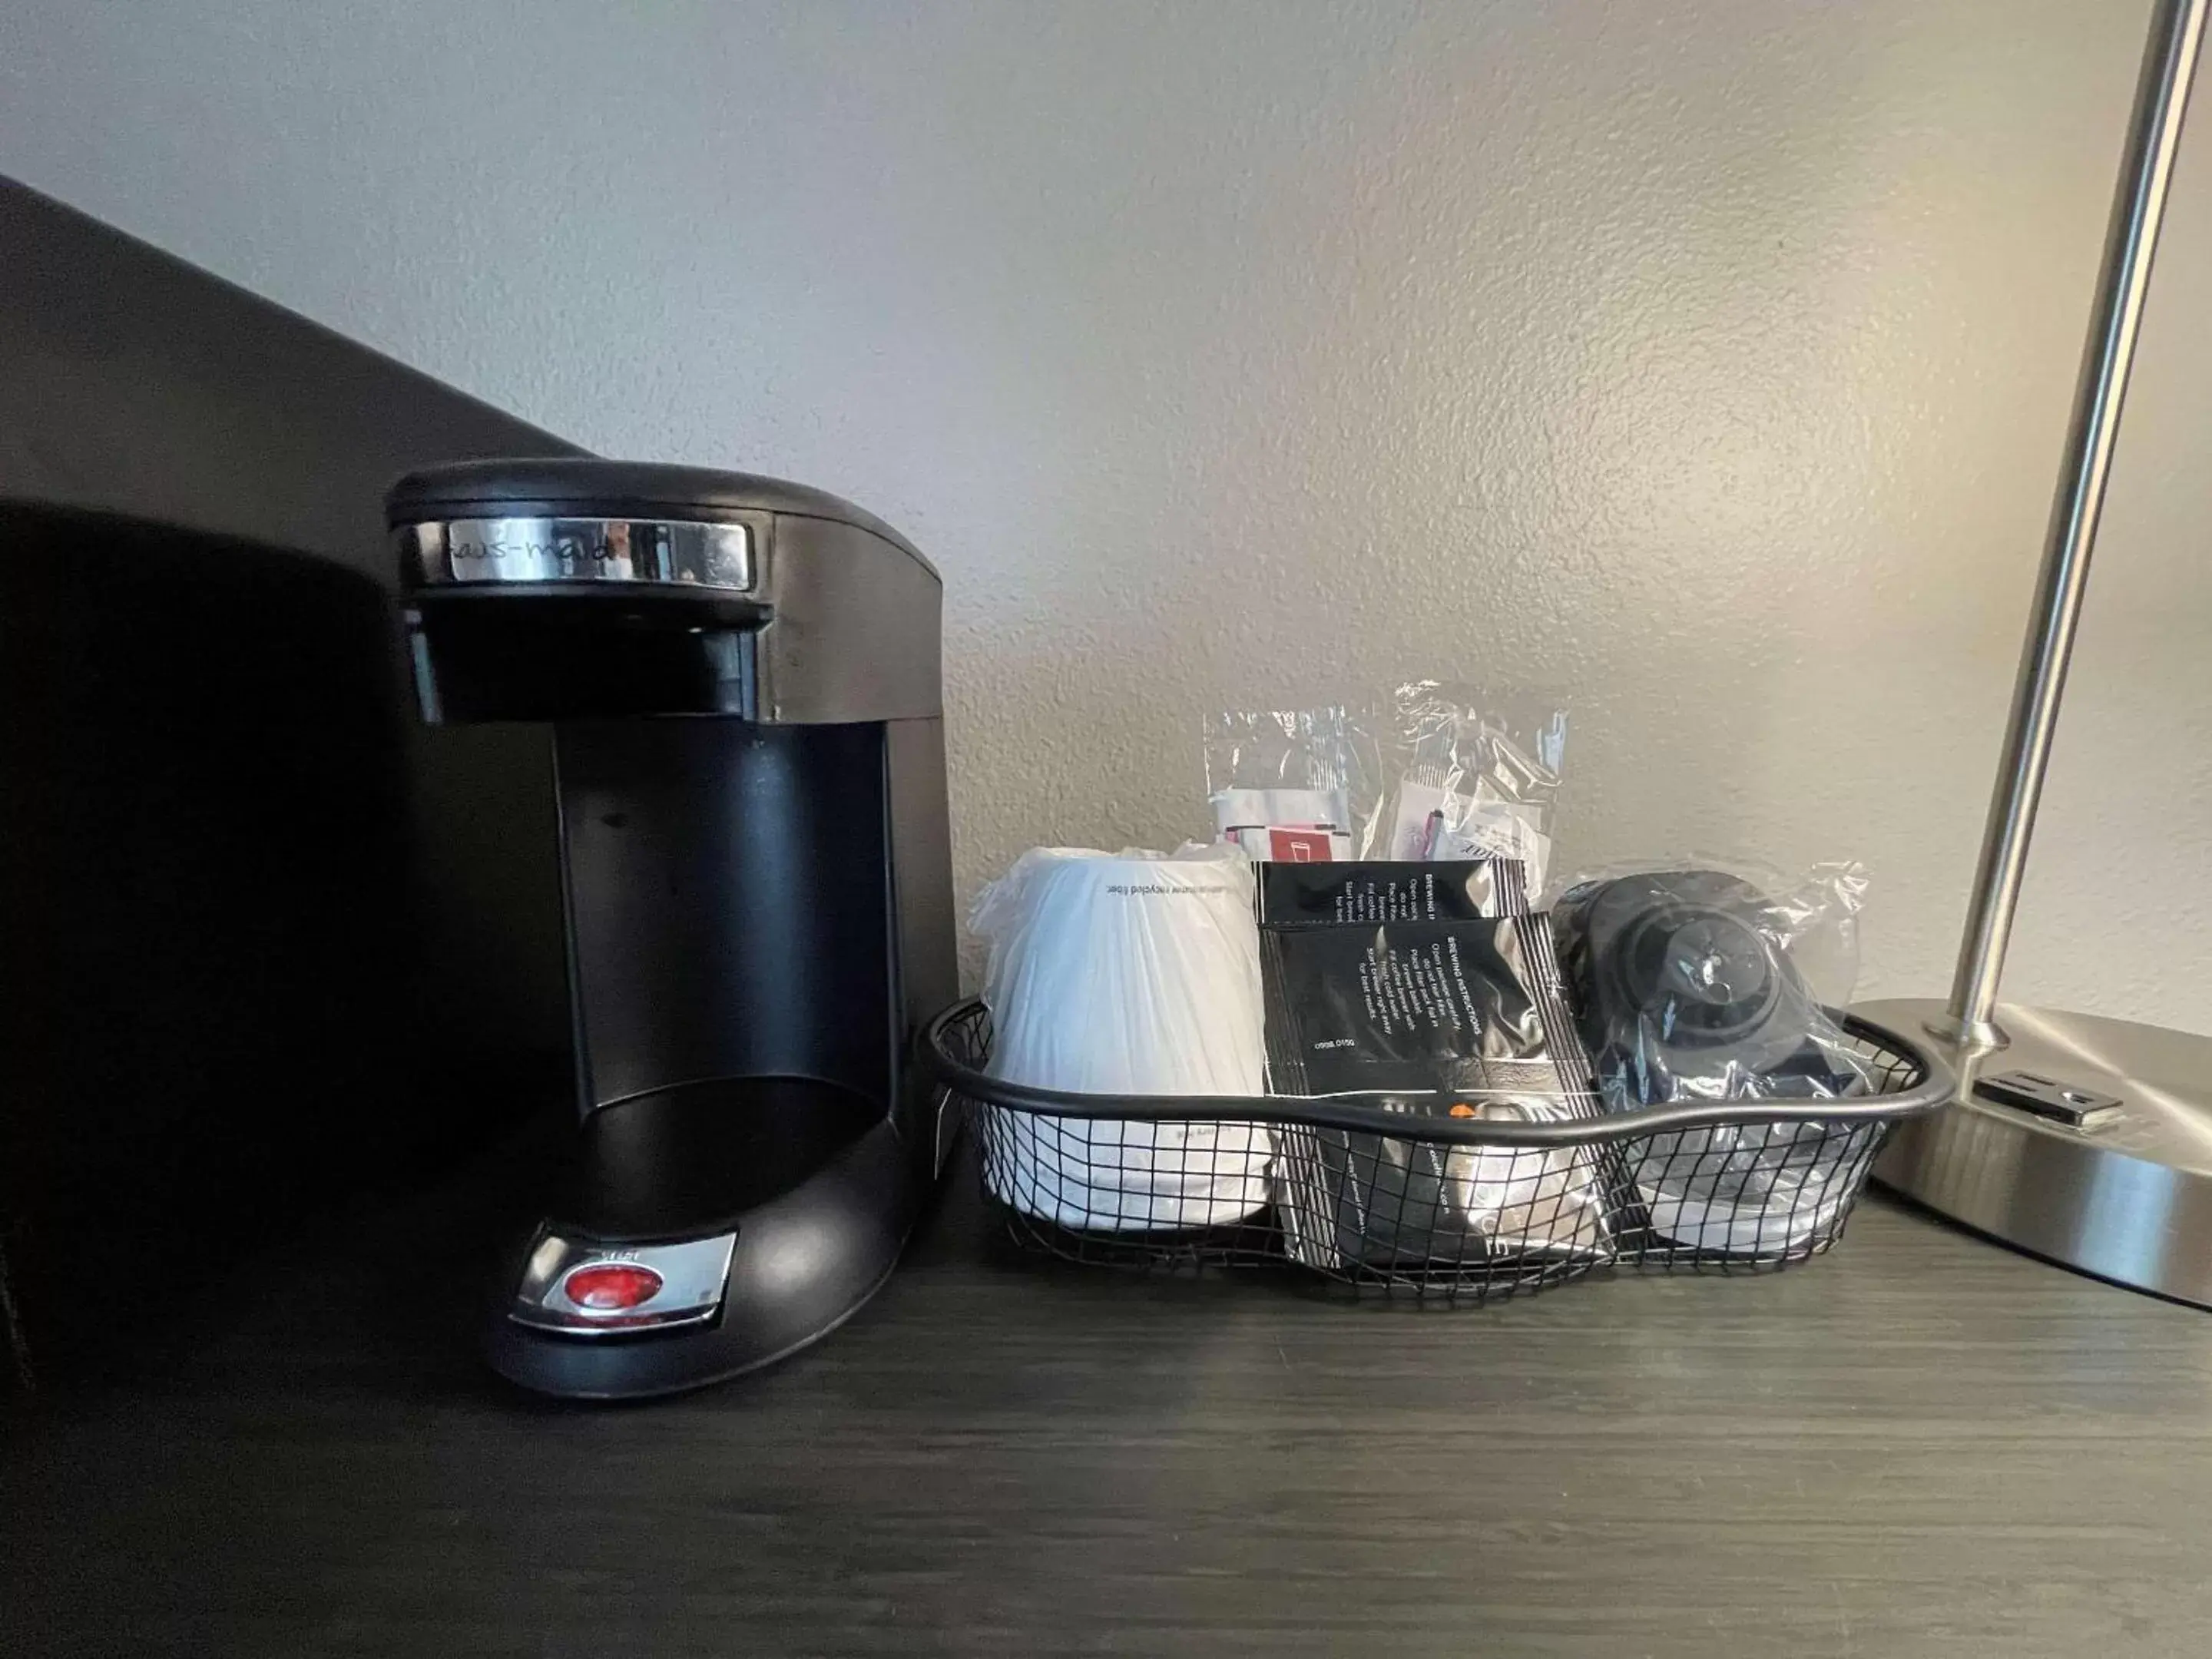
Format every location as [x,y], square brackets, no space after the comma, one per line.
[2138,204]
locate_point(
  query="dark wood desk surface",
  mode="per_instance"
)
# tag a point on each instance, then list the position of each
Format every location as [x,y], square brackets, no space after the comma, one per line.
[1921,1444]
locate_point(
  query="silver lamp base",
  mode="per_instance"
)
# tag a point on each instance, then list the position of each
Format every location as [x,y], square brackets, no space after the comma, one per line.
[2128,1200]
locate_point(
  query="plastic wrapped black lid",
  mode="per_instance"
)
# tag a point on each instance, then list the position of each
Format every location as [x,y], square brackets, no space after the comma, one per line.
[1686,988]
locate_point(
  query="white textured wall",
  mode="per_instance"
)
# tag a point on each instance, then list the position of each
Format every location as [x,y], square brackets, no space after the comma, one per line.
[1709,359]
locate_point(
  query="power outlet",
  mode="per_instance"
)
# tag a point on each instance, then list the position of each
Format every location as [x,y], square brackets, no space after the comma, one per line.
[2048,1097]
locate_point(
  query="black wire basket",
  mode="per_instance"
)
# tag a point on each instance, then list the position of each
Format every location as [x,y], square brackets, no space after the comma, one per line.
[1419,1198]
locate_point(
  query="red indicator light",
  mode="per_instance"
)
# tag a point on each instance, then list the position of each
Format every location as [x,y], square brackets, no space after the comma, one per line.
[612,1287]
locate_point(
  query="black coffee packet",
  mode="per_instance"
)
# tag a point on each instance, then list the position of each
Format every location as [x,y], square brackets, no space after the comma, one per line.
[1430,978]
[1432,988]
[1417,1005]
[1332,895]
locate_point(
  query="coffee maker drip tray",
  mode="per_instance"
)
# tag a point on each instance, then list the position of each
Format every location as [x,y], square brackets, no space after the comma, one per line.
[691,1159]
[660,1189]
[648,1285]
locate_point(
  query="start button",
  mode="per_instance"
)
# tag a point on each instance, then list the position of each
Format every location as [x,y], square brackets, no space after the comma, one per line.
[612,1287]
[592,1288]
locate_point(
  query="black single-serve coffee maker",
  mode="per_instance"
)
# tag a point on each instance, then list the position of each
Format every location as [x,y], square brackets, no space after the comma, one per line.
[742,680]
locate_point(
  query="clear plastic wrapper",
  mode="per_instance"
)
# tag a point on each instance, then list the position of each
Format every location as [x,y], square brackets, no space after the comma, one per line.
[1475,778]
[1291,785]
[1697,985]
[1122,975]
[1382,1203]
[1431,990]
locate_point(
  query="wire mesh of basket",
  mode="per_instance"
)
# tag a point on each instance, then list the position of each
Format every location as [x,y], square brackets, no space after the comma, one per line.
[1420,1197]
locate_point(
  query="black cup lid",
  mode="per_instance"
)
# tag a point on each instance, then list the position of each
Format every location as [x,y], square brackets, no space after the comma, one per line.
[1710,972]
[1682,956]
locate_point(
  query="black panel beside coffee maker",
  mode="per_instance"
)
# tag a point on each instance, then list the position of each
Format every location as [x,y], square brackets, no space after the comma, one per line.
[742,678]
[237,877]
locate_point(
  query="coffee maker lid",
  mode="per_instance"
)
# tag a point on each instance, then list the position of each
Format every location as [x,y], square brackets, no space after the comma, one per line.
[570,487]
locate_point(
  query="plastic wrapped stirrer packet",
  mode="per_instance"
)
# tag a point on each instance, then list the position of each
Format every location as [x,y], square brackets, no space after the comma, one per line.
[1478,780]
